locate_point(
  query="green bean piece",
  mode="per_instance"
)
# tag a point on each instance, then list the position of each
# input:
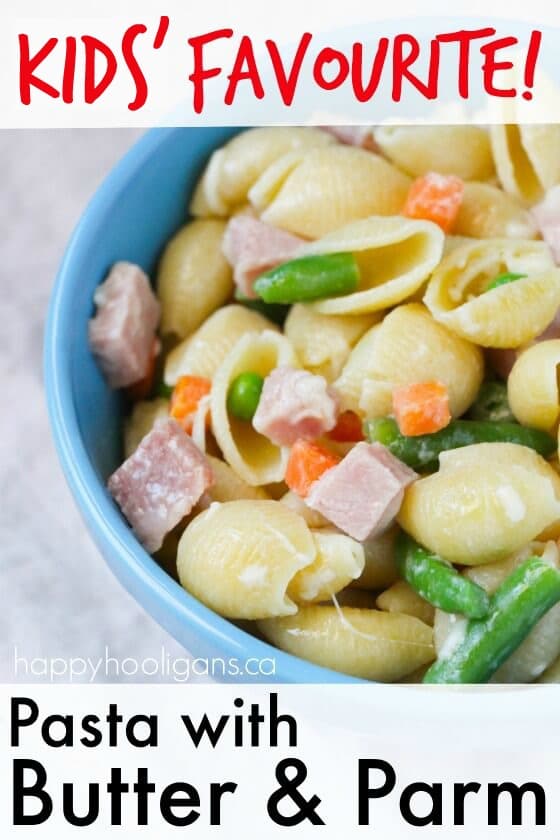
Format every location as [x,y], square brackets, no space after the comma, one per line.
[492,404]
[437,581]
[275,312]
[515,608]
[504,279]
[309,278]
[244,395]
[422,451]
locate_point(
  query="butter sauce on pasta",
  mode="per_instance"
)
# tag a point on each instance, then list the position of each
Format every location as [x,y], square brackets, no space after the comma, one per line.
[285,458]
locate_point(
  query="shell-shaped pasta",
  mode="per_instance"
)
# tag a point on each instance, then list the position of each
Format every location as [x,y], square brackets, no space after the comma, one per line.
[401,598]
[233,169]
[203,352]
[329,188]
[394,255]
[411,346]
[380,570]
[462,150]
[239,557]
[323,342]
[533,386]
[252,455]
[339,560]
[313,518]
[351,597]
[507,316]
[369,644]
[486,502]
[141,421]
[194,278]
[490,575]
[527,159]
[486,212]
[228,486]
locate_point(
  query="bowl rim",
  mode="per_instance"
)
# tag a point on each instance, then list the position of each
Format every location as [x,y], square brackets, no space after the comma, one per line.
[99,512]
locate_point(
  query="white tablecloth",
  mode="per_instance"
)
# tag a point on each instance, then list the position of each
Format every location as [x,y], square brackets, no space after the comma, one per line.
[57,598]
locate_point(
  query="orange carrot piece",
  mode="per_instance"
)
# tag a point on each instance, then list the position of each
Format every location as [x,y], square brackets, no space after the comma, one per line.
[142,389]
[421,408]
[308,461]
[185,398]
[435,197]
[348,428]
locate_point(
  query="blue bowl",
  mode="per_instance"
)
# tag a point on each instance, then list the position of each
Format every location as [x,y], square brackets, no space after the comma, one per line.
[138,207]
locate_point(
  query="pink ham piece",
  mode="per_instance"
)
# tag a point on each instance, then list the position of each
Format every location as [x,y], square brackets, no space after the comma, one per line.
[253,247]
[161,482]
[363,493]
[122,333]
[295,404]
[547,218]
[353,135]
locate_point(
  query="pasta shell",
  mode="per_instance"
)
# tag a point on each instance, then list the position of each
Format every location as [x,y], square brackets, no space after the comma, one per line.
[527,159]
[402,598]
[339,560]
[368,644]
[409,346]
[552,673]
[194,278]
[324,342]
[203,352]
[486,502]
[253,457]
[487,212]
[533,386]
[462,150]
[380,570]
[507,316]
[330,188]
[313,518]
[395,256]
[233,169]
[141,421]
[239,557]
[228,486]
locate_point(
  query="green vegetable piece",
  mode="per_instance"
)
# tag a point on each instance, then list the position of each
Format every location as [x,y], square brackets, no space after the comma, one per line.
[163,390]
[437,581]
[504,279]
[275,312]
[520,602]
[244,395]
[309,278]
[422,451]
[492,404]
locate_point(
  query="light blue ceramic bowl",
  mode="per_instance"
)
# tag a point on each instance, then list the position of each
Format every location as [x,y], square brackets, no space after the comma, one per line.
[134,212]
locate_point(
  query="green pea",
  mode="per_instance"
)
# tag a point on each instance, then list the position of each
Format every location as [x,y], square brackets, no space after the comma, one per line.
[504,279]
[244,395]
[492,404]
[309,278]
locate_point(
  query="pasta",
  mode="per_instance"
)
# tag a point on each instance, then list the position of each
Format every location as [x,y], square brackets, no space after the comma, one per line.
[254,457]
[485,502]
[526,158]
[533,386]
[315,444]
[395,256]
[370,644]
[410,346]
[201,353]
[508,316]
[323,342]
[194,277]
[331,187]
[462,150]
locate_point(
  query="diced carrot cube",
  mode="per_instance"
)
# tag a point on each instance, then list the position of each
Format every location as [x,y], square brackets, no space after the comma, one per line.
[421,408]
[307,463]
[435,197]
[348,428]
[185,398]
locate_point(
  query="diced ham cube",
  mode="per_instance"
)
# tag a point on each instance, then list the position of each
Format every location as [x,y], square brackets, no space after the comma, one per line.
[295,404]
[122,332]
[353,135]
[547,218]
[363,493]
[253,247]
[161,482]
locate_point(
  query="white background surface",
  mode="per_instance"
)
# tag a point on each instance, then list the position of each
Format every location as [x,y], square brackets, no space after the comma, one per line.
[57,598]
